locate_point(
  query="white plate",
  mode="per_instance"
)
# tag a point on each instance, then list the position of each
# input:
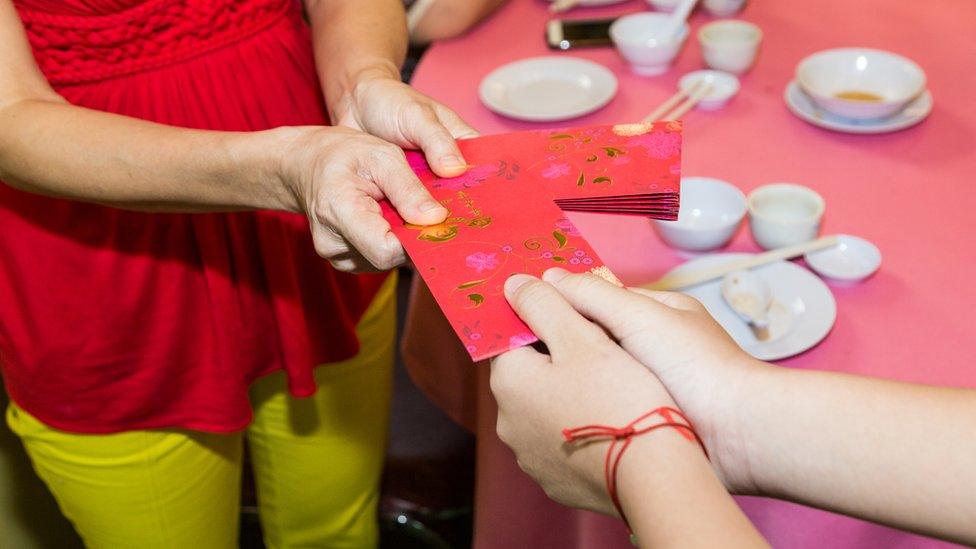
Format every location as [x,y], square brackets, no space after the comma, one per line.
[802,106]
[800,291]
[544,89]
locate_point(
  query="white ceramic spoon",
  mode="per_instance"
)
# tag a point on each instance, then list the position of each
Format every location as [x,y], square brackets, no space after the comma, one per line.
[749,296]
[678,18]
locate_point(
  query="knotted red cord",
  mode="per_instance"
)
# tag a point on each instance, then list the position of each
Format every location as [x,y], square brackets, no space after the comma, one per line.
[626,433]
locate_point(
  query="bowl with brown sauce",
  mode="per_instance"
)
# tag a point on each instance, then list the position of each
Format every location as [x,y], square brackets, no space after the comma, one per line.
[860,83]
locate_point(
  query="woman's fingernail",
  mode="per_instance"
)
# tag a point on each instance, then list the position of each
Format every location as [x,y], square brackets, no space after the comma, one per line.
[555,274]
[515,282]
[431,206]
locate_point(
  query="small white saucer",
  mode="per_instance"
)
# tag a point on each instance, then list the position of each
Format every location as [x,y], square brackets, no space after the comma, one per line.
[851,260]
[798,290]
[801,105]
[546,89]
[724,86]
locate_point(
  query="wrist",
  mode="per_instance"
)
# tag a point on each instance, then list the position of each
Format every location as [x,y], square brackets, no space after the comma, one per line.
[736,439]
[262,159]
[343,95]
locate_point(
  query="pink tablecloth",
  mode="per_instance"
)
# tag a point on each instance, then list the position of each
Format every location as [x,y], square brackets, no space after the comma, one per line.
[912,193]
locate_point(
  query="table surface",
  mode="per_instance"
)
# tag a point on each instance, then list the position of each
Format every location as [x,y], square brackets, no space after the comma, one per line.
[909,192]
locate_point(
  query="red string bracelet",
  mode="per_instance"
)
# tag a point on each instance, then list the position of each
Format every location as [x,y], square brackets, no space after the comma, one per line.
[626,434]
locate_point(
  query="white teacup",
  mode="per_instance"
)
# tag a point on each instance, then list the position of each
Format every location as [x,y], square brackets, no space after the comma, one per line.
[730,45]
[638,39]
[783,214]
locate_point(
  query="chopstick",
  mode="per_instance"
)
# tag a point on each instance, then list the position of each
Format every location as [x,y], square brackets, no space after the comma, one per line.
[697,96]
[563,5]
[669,104]
[677,281]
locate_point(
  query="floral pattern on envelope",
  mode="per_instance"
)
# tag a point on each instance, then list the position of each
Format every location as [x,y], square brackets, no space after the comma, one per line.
[503,218]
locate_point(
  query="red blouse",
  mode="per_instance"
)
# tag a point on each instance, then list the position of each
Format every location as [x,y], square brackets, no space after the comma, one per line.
[115,320]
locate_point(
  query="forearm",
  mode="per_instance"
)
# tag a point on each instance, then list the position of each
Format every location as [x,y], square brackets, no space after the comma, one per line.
[355,41]
[450,18]
[672,497]
[53,148]
[890,452]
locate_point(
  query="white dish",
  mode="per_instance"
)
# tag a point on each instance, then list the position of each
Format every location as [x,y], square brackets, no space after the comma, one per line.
[803,296]
[730,45]
[711,211]
[551,88]
[724,86]
[637,38]
[853,259]
[860,83]
[802,106]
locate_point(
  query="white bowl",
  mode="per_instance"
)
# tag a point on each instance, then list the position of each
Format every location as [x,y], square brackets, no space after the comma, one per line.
[860,83]
[851,260]
[730,45]
[724,8]
[637,38]
[724,86]
[711,211]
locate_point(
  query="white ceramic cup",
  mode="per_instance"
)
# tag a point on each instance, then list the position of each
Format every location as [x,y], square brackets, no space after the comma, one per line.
[638,39]
[730,45]
[783,214]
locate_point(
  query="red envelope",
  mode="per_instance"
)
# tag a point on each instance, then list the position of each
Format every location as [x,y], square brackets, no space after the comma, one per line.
[503,219]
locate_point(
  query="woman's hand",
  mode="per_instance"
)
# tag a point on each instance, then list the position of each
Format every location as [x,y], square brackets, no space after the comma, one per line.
[672,334]
[666,487]
[382,105]
[586,379]
[337,176]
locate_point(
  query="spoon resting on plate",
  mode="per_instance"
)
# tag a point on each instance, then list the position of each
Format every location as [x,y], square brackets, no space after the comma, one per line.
[749,296]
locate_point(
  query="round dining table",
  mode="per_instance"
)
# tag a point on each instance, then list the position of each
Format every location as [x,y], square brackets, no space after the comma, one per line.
[912,193]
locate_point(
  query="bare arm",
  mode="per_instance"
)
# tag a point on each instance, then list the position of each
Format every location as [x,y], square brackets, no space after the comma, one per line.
[450,18]
[50,147]
[332,175]
[894,453]
[359,47]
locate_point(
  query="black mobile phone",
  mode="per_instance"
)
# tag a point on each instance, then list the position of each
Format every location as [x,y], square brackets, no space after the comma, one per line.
[563,34]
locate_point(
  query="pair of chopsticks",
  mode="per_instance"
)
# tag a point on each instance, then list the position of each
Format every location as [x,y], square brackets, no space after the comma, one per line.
[681,102]
[671,282]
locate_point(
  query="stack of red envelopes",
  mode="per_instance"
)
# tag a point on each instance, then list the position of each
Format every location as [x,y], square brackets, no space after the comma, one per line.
[506,215]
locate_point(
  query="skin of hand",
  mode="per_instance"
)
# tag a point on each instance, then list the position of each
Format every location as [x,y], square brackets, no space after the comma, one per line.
[578,392]
[666,486]
[332,175]
[384,106]
[673,335]
[337,176]
[850,444]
